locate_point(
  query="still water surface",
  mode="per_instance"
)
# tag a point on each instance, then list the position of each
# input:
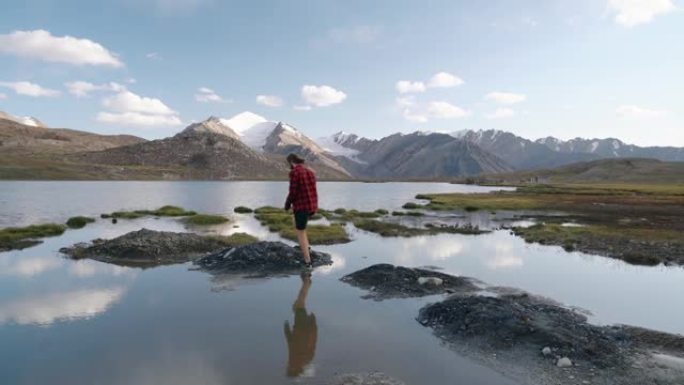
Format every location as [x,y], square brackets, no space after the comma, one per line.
[85,322]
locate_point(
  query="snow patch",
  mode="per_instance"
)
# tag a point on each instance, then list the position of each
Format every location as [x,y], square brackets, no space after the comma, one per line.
[594,146]
[27,120]
[252,129]
[330,145]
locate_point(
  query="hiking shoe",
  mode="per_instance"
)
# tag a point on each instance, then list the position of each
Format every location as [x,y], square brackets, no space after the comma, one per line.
[308,266]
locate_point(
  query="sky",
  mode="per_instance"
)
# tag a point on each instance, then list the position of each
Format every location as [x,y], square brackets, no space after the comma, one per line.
[537,68]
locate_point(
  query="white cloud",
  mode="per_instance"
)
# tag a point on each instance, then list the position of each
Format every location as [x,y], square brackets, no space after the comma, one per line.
[446,110]
[414,117]
[54,307]
[40,44]
[138,119]
[444,80]
[422,113]
[630,13]
[360,34]
[153,56]
[407,86]
[322,96]
[29,89]
[406,101]
[269,100]
[129,109]
[127,101]
[302,108]
[29,266]
[82,89]
[501,113]
[636,112]
[207,95]
[505,97]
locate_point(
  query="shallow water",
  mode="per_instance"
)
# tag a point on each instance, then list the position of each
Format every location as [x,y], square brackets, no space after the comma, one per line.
[86,322]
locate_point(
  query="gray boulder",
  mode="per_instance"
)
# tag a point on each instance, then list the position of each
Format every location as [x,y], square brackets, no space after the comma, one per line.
[147,248]
[387,281]
[259,259]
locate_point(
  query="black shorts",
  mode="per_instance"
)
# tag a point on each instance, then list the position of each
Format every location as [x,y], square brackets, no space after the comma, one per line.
[301,219]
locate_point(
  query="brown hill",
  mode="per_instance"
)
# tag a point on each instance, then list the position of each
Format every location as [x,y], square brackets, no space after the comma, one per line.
[17,138]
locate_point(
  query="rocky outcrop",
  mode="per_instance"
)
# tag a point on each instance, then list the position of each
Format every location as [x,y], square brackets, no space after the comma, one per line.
[259,259]
[387,281]
[195,154]
[147,248]
[511,321]
[530,338]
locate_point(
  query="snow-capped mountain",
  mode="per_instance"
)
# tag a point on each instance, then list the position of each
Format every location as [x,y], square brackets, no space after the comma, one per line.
[611,148]
[252,129]
[416,155]
[271,138]
[344,145]
[519,152]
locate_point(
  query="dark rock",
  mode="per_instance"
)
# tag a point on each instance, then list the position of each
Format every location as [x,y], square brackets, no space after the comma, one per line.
[387,281]
[259,259]
[147,248]
[525,321]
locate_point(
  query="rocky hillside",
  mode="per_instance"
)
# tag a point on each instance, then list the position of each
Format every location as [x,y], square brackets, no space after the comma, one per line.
[621,170]
[611,148]
[417,155]
[21,139]
[198,152]
[521,153]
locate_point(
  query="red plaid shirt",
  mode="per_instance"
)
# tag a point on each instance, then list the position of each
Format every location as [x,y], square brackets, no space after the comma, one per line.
[303,195]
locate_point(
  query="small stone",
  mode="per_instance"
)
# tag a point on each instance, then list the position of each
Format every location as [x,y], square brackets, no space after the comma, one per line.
[434,281]
[546,351]
[564,362]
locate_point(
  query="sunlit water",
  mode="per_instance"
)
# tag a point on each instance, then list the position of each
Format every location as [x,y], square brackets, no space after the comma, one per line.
[85,322]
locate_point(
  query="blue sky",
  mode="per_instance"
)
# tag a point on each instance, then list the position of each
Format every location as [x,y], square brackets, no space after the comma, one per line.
[590,68]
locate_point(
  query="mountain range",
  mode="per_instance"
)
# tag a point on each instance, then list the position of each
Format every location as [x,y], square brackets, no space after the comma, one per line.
[248,146]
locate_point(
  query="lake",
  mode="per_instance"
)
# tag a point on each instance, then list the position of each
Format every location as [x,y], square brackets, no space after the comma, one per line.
[86,322]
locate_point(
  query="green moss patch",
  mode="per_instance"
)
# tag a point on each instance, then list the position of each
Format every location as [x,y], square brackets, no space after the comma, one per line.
[164,211]
[243,210]
[281,222]
[206,220]
[387,229]
[21,237]
[641,246]
[79,222]
[237,239]
[411,206]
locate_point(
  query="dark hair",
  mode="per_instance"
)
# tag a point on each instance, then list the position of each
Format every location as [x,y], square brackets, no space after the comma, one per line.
[294,158]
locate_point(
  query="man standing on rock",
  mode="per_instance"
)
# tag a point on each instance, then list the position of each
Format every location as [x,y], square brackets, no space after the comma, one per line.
[303,199]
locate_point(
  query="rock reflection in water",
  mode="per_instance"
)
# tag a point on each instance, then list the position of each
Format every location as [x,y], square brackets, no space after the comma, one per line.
[302,336]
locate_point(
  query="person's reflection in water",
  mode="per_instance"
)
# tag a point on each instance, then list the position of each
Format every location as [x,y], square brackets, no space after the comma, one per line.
[301,338]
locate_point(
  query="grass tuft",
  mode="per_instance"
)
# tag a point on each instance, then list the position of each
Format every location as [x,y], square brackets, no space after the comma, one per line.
[164,211]
[21,237]
[243,210]
[237,239]
[206,220]
[281,222]
[79,222]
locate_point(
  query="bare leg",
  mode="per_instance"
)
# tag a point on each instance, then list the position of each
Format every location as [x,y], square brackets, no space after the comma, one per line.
[300,302]
[304,245]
